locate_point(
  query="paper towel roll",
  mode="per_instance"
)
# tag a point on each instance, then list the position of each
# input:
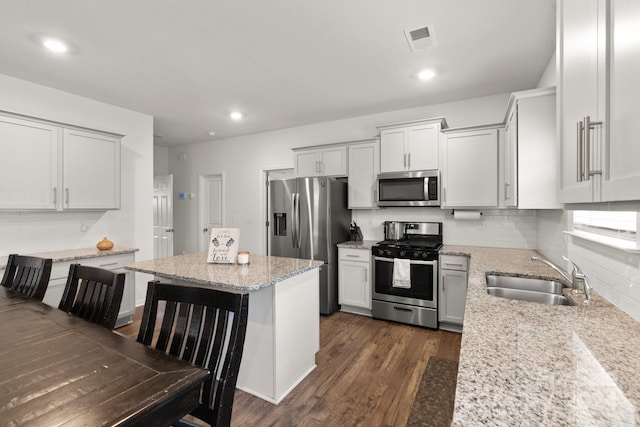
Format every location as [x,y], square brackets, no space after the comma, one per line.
[466,215]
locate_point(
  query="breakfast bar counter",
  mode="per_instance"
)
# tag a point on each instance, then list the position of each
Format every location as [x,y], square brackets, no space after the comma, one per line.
[283,328]
[526,363]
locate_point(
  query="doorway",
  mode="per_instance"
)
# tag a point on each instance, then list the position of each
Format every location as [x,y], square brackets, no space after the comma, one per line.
[162,216]
[211,207]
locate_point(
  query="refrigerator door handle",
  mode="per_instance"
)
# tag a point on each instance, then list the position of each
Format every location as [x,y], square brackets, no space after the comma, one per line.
[293,219]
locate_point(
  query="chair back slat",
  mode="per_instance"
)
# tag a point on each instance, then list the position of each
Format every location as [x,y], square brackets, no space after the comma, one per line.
[206,327]
[94,294]
[27,275]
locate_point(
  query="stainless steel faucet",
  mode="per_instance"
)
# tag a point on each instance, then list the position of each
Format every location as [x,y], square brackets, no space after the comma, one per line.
[577,276]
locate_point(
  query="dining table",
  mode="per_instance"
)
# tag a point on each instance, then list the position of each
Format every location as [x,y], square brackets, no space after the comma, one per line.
[59,370]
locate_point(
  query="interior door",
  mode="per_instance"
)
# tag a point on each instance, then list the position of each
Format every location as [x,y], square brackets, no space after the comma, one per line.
[212,206]
[162,216]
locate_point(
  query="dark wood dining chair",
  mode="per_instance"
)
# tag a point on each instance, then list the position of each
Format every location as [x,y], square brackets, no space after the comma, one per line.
[27,275]
[93,294]
[205,327]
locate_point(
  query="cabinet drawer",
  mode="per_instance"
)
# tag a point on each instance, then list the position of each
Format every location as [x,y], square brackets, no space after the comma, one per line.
[454,262]
[349,254]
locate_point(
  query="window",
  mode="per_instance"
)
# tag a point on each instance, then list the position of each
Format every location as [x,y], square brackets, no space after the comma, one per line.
[619,225]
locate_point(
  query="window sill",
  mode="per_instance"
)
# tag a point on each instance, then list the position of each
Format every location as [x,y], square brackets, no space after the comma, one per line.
[610,242]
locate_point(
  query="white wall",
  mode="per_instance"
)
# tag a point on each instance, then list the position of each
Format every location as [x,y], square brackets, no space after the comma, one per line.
[549,77]
[160,160]
[242,160]
[29,232]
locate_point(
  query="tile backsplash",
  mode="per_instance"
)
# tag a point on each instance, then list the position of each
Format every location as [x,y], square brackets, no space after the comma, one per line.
[509,228]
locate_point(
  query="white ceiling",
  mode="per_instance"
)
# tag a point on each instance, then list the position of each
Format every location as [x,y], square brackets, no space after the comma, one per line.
[282,62]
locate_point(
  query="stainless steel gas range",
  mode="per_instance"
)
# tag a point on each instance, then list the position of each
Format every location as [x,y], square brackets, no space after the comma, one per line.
[405,278]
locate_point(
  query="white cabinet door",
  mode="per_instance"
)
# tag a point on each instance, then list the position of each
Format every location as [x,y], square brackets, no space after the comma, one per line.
[354,280]
[392,155]
[453,295]
[307,163]
[621,179]
[28,164]
[470,170]
[582,93]
[422,146]
[364,161]
[333,161]
[91,170]
[354,286]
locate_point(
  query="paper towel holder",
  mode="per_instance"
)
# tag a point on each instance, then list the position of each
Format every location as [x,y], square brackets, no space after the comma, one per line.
[453,211]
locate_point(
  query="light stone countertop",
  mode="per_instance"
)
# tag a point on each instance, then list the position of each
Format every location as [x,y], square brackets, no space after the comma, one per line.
[524,363]
[75,254]
[366,244]
[262,271]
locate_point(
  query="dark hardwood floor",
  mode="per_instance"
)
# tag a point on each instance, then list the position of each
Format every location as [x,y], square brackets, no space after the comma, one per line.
[367,375]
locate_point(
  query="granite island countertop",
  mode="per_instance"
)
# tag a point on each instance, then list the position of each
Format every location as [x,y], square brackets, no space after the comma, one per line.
[261,272]
[74,254]
[524,363]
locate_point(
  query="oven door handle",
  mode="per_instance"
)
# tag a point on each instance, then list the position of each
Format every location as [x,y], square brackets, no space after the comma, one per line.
[411,261]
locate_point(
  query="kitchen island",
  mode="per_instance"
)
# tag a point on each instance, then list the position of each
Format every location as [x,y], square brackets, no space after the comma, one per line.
[525,363]
[283,328]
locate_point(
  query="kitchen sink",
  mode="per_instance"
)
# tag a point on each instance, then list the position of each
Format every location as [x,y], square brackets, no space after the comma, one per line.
[527,289]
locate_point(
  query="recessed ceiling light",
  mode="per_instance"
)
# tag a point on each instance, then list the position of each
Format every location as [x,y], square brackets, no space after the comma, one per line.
[212,133]
[55,45]
[426,74]
[236,115]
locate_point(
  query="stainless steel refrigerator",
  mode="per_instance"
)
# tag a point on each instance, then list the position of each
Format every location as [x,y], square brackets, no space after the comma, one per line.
[308,217]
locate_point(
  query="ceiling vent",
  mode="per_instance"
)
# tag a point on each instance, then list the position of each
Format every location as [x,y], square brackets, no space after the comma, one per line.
[420,38]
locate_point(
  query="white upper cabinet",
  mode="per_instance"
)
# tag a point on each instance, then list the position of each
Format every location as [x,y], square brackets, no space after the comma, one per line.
[321,161]
[599,63]
[91,170]
[45,166]
[470,167]
[621,177]
[530,151]
[410,146]
[582,38]
[28,164]
[364,165]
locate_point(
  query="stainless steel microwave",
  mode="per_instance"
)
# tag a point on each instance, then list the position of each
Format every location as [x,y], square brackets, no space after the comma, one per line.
[417,188]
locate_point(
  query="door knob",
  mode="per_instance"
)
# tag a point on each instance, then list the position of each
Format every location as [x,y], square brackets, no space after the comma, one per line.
[205,230]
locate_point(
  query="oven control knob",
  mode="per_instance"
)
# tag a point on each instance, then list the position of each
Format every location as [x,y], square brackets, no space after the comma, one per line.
[403,253]
[424,255]
[416,254]
[388,252]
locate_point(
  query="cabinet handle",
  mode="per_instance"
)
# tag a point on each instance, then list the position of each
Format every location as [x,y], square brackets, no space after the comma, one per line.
[375,196]
[442,283]
[108,264]
[55,196]
[454,263]
[66,192]
[587,147]
[353,256]
[588,125]
[364,275]
[444,196]
[579,128]
[409,161]
[404,156]
[506,191]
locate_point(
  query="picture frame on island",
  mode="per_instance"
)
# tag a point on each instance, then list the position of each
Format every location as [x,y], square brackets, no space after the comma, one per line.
[223,245]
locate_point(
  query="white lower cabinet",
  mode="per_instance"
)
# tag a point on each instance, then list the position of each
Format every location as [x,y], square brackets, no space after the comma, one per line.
[60,271]
[354,280]
[452,291]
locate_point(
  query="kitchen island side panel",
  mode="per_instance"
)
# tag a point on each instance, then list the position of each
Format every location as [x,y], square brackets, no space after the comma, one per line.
[283,337]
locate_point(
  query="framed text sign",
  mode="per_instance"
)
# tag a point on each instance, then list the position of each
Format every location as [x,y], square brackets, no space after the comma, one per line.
[223,245]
